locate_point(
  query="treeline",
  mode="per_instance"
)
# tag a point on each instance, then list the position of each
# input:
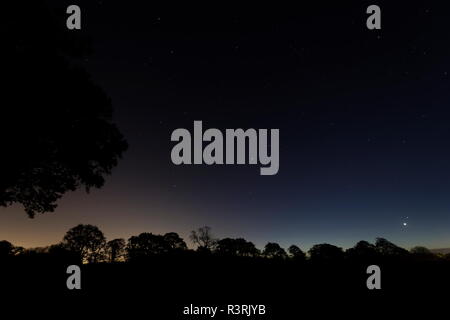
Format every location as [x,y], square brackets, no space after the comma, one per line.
[87,244]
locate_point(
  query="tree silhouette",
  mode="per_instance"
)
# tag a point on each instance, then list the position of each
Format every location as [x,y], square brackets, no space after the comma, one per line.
[296,253]
[236,247]
[86,241]
[115,249]
[420,250]
[57,134]
[274,250]
[60,251]
[203,238]
[174,241]
[6,248]
[363,250]
[422,253]
[325,252]
[145,245]
[387,248]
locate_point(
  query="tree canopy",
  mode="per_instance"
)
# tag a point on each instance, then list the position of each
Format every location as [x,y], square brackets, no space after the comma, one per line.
[6,248]
[115,249]
[325,252]
[236,247]
[148,244]
[87,241]
[296,253]
[387,248]
[57,132]
[203,238]
[274,250]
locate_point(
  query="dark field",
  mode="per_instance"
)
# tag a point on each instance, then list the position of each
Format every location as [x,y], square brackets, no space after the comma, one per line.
[160,288]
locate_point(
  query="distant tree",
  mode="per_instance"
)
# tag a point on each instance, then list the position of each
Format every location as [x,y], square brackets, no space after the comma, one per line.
[56,249]
[423,253]
[174,241]
[115,249]
[325,252]
[250,250]
[236,247]
[57,134]
[246,248]
[38,251]
[85,240]
[363,250]
[6,248]
[19,250]
[296,253]
[420,250]
[226,247]
[274,250]
[60,251]
[203,238]
[145,245]
[387,248]
[149,244]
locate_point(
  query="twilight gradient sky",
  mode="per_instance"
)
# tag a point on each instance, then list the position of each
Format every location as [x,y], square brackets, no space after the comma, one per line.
[363,115]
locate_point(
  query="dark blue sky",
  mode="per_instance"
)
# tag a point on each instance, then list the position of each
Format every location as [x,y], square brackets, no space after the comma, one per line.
[363,118]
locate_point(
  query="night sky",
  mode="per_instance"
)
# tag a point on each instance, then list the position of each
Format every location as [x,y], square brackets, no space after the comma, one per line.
[363,115]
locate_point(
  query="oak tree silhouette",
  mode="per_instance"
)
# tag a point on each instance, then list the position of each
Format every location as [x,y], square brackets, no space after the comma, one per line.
[87,241]
[363,250]
[148,244]
[236,247]
[274,250]
[422,254]
[174,241]
[115,249]
[296,253]
[387,248]
[325,252]
[6,248]
[57,132]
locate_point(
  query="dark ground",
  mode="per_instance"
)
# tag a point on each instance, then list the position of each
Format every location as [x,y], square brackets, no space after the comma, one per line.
[160,289]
